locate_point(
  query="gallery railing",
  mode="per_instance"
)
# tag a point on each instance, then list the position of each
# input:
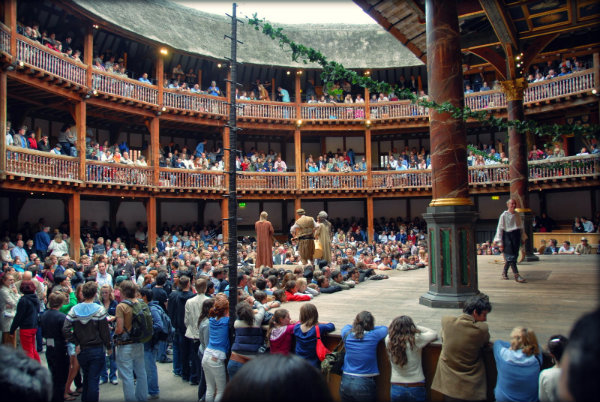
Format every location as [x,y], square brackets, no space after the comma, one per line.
[194,102]
[190,179]
[116,85]
[41,165]
[118,174]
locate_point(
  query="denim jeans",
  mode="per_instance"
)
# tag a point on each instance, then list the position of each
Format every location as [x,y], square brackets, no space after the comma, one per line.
[109,370]
[90,360]
[398,393]
[233,367]
[162,351]
[130,360]
[202,384]
[151,372]
[176,355]
[359,389]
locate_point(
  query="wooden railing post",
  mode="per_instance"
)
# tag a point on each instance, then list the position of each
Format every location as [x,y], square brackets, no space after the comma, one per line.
[3,114]
[74,207]
[10,20]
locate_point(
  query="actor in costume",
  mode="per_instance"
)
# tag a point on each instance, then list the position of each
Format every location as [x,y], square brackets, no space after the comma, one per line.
[511,234]
[323,236]
[264,241]
[303,230]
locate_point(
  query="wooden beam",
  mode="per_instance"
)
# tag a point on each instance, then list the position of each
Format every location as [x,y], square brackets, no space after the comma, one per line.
[10,20]
[88,52]
[224,216]
[298,158]
[75,225]
[160,76]
[154,128]
[496,61]
[501,22]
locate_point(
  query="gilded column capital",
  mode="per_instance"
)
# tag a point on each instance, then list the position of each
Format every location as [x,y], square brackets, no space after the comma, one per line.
[513,89]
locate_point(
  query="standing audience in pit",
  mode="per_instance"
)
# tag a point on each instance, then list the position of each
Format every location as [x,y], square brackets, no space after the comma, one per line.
[548,381]
[306,333]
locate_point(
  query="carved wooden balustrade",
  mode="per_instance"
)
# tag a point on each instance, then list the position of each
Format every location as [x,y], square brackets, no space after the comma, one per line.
[191,179]
[48,166]
[4,39]
[118,174]
[567,85]
[332,111]
[41,165]
[260,181]
[44,59]
[266,110]
[118,86]
[334,181]
[191,102]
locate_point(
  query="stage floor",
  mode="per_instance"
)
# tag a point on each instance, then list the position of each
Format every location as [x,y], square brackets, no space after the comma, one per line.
[559,289]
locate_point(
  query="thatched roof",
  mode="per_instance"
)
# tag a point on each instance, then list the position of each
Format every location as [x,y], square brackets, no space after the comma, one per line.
[197,32]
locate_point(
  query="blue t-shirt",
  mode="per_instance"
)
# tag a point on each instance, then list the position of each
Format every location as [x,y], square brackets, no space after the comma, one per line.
[306,342]
[517,373]
[219,334]
[361,354]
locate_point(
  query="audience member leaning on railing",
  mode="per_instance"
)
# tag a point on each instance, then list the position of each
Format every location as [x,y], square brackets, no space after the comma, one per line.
[50,41]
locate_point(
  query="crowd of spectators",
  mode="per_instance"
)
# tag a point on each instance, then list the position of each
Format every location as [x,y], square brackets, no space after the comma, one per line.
[63,46]
[552,69]
[408,159]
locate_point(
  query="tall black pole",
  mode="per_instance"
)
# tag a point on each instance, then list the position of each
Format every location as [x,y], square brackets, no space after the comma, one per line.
[232,195]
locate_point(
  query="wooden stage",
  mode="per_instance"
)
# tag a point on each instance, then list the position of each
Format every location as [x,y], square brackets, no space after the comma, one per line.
[559,289]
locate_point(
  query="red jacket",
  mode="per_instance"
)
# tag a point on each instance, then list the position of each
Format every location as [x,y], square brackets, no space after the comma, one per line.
[292,297]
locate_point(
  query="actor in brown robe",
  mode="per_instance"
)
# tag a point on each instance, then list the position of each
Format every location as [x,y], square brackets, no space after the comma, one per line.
[264,241]
[304,230]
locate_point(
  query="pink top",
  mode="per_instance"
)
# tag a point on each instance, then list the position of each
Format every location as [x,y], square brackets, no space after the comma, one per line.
[281,339]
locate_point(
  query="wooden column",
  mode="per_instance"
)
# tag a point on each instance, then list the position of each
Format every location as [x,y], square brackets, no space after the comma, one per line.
[75,225]
[369,157]
[297,204]
[10,20]
[88,53]
[3,115]
[370,225]
[80,124]
[160,77]
[596,66]
[298,157]
[367,103]
[151,222]
[226,145]
[154,128]
[273,90]
[224,217]
[200,77]
[113,209]
[298,94]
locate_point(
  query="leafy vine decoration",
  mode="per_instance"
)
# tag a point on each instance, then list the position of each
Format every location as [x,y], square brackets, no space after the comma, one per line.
[334,71]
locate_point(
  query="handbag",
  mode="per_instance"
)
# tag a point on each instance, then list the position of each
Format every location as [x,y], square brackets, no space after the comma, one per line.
[321,349]
[334,361]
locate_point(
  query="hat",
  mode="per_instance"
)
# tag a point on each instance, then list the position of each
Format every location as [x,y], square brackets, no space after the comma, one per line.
[584,239]
[300,211]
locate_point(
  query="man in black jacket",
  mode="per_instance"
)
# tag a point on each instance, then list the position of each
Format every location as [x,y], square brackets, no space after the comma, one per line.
[56,352]
[176,311]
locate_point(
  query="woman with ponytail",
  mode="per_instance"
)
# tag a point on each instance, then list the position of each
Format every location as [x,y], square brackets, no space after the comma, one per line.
[281,332]
[404,343]
[360,362]
[518,363]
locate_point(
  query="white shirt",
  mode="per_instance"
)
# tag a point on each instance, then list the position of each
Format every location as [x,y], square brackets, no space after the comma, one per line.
[105,279]
[588,226]
[412,371]
[548,385]
[507,223]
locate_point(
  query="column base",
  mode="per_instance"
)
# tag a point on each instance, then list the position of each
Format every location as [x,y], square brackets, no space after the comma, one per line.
[438,300]
[531,258]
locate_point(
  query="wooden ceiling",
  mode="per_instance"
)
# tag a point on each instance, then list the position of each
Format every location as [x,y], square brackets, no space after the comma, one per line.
[489,27]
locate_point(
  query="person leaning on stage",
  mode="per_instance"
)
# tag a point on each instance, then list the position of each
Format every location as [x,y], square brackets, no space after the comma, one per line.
[460,372]
[583,247]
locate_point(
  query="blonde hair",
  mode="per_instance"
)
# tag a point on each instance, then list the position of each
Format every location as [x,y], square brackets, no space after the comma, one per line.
[264,215]
[524,339]
[69,272]
[301,284]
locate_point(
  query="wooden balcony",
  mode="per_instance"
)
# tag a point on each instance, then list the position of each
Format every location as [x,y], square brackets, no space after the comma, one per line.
[29,166]
[44,63]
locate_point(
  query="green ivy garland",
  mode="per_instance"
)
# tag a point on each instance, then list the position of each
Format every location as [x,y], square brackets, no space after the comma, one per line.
[333,71]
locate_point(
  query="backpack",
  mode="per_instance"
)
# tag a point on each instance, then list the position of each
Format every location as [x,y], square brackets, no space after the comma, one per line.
[141,322]
[165,330]
[334,360]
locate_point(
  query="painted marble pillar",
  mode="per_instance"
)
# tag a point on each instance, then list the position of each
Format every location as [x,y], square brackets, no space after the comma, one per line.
[517,154]
[450,216]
